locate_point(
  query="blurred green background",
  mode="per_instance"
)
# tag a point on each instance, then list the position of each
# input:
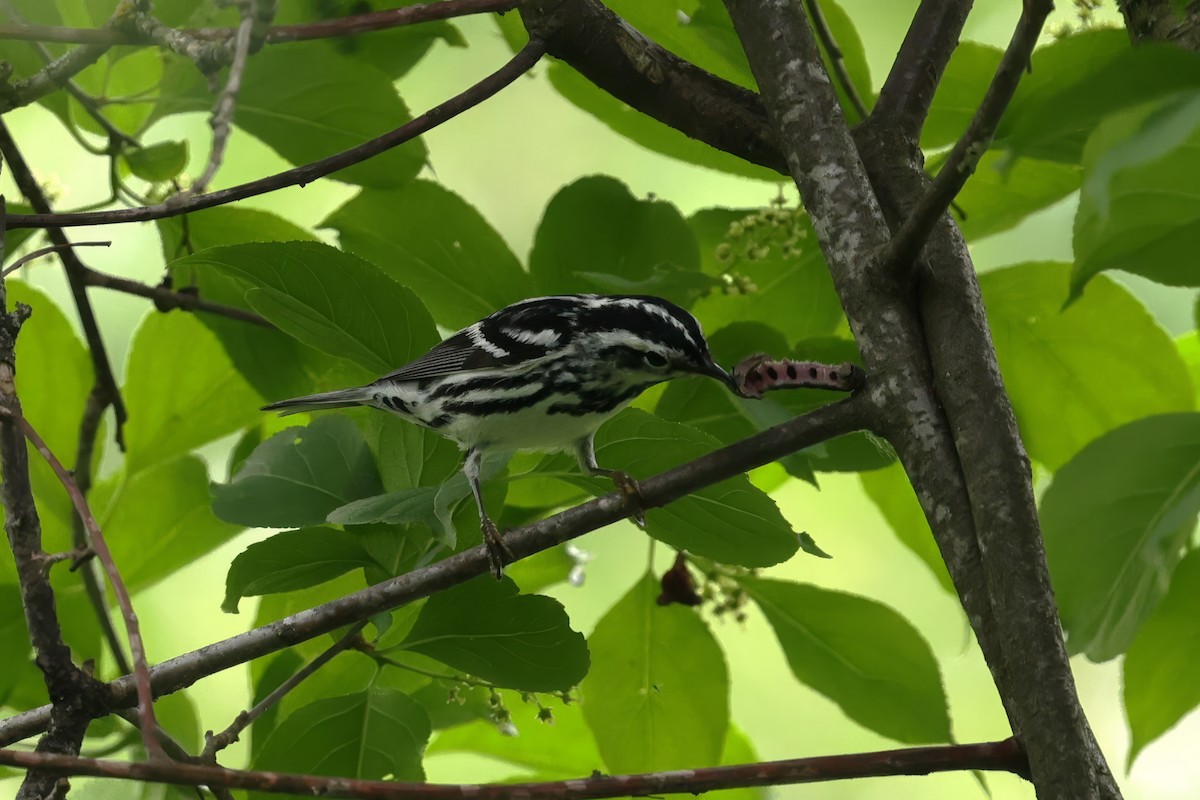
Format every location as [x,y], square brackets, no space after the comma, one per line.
[508,157]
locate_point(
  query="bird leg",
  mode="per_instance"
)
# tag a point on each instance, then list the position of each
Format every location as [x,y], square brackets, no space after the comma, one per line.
[497,551]
[585,451]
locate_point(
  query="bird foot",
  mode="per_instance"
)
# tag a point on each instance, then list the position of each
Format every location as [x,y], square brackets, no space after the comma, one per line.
[497,551]
[629,487]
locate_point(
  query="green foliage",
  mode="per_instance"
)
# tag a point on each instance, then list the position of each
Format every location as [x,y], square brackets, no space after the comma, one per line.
[860,654]
[299,475]
[1001,193]
[513,640]
[1116,519]
[648,708]
[891,492]
[158,162]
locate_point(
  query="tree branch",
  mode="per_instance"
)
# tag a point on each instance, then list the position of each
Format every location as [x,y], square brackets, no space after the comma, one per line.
[97,542]
[1002,756]
[75,269]
[845,416]
[821,26]
[907,94]
[907,243]
[45,251]
[167,299]
[521,63]
[354,25]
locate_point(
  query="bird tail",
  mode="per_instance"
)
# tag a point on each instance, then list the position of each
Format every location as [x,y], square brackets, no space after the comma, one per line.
[342,398]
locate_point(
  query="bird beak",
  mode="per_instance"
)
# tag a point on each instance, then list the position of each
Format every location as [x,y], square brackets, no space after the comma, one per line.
[714,370]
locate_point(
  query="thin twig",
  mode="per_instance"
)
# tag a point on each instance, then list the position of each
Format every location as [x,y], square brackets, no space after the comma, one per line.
[167,299]
[23,176]
[326,29]
[857,412]
[215,743]
[141,670]
[521,63]
[222,115]
[821,26]
[910,239]
[1004,756]
[45,251]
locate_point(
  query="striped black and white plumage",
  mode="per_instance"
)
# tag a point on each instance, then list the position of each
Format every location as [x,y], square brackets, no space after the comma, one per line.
[541,374]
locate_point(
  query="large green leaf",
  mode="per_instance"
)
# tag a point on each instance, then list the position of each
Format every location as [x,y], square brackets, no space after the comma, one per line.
[1077,81]
[292,560]
[1160,665]
[596,226]
[434,242]
[329,300]
[893,495]
[181,391]
[372,734]
[1139,209]
[732,521]
[487,629]
[1000,194]
[16,657]
[305,103]
[792,292]
[860,654]
[1056,359]
[224,225]
[1115,519]
[967,77]
[657,696]
[299,475]
[159,520]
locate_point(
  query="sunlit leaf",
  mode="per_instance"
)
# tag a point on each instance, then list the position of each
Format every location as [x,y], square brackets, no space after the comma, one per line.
[157,163]
[1116,518]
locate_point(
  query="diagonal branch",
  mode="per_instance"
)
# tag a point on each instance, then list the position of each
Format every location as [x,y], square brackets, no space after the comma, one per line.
[908,91]
[75,269]
[167,299]
[1003,756]
[845,416]
[821,26]
[908,242]
[521,63]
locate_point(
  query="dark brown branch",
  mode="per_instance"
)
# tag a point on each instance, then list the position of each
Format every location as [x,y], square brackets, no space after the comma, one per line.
[98,543]
[75,269]
[167,299]
[827,422]
[821,26]
[908,91]
[910,239]
[75,697]
[45,251]
[1005,756]
[300,176]
[326,29]
[213,744]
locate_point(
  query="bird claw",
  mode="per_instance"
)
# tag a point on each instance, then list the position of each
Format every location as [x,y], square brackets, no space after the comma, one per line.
[628,486]
[497,551]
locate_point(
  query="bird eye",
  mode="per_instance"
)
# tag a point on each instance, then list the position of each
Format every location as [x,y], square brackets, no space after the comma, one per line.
[654,359]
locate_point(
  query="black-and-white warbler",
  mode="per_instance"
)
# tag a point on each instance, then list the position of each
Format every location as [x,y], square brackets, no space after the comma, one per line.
[541,374]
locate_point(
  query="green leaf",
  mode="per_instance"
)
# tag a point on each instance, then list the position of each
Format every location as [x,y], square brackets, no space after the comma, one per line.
[121,74]
[1077,81]
[595,225]
[329,300]
[966,79]
[373,734]
[1189,350]
[732,522]
[13,239]
[438,245]
[893,495]
[306,103]
[657,696]
[159,520]
[1160,666]
[401,507]
[1105,358]
[157,163]
[278,669]
[16,657]
[224,225]
[177,715]
[181,390]
[1116,519]
[487,629]
[547,568]
[1000,194]
[298,476]
[292,560]
[409,455]
[1139,209]
[860,654]
[792,293]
